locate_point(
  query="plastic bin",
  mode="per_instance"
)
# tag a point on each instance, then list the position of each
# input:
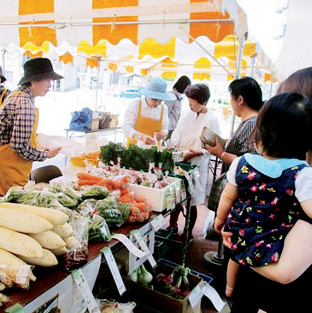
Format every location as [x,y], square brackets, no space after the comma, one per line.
[161,247]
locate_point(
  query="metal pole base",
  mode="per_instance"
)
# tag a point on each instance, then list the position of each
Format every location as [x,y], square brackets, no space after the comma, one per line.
[213,258]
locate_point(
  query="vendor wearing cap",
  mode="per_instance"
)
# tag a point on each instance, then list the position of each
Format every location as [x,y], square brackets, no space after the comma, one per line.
[4,92]
[18,125]
[146,119]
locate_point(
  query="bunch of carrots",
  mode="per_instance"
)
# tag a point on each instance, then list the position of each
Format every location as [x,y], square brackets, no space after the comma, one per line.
[111,183]
[140,208]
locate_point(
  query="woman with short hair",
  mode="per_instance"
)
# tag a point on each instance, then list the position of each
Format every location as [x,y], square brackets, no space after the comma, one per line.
[186,136]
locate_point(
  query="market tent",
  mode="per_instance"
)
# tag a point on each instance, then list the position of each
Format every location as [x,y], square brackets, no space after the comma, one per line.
[94,25]
[95,21]
[202,59]
[297,45]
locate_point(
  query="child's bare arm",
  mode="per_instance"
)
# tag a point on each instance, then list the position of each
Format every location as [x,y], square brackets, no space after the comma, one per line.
[229,194]
[307,207]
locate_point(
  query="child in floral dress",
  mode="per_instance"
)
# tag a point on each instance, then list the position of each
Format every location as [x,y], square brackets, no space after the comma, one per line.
[267,202]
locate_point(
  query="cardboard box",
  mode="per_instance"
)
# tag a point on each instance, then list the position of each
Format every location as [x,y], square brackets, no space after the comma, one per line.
[113,120]
[160,302]
[95,124]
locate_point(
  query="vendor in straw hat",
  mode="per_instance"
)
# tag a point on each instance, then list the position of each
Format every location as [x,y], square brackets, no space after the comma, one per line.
[18,125]
[146,119]
[4,92]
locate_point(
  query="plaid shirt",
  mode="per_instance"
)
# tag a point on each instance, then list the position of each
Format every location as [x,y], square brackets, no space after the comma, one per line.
[17,117]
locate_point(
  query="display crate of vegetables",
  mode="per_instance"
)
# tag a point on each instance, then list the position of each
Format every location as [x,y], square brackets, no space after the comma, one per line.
[160,190]
[161,199]
[166,289]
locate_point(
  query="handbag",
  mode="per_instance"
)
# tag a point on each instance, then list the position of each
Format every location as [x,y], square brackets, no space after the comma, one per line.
[209,137]
[215,192]
[81,120]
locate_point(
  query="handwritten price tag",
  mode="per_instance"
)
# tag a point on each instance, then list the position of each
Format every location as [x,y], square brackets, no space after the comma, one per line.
[212,294]
[195,295]
[129,245]
[111,262]
[85,291]
[144,247]
[158,222]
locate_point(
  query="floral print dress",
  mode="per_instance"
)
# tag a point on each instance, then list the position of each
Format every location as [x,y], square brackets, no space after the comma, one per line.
[265,210]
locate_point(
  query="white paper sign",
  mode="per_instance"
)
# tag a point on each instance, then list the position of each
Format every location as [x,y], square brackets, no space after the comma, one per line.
[158,222]
[214,297]
[85,291]
[194,296]
[144,247]
[111,262]
[129,245]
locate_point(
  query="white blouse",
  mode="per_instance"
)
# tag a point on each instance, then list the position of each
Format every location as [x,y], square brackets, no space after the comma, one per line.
[131,113]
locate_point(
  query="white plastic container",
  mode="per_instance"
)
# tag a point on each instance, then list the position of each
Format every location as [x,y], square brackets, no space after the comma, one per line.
[161,199]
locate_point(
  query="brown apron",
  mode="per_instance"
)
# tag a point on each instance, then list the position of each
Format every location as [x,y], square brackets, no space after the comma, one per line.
[146,125]
[14,169]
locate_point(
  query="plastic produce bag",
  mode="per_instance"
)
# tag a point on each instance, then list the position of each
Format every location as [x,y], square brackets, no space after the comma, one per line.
[81,120]
[70,147]
[98,229]
[108,306]
[77,245]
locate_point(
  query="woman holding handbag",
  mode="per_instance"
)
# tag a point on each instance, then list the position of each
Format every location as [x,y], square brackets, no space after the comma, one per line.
[246,101]
[186,136]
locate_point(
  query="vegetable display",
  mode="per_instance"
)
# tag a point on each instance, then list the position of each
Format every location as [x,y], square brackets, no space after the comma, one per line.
[174,284]
[136,157]
[141,275]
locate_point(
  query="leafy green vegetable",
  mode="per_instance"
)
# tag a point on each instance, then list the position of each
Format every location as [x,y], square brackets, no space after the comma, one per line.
[136,157]
[124,208]
[13,194]
[111,152]
[113,217]
[108,203]
[98,229]
[96,192]
[66,201]
[87,206]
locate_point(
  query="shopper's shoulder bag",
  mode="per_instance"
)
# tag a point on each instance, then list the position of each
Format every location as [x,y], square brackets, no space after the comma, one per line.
[215,192]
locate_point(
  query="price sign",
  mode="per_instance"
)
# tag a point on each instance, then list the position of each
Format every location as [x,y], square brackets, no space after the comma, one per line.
[158,222]
[214,297]
[195,295]
[144,247]
[129,245]
[16,308]
[85,291]
[111,262]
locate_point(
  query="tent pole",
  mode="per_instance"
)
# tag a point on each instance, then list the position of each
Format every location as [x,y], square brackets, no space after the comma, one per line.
[210,54]
[97,87]
[238,66]
[3,60]
[252,71]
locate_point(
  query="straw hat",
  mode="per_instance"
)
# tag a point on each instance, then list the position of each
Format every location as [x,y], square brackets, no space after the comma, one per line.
[157,89]
[3,79]
[38,69]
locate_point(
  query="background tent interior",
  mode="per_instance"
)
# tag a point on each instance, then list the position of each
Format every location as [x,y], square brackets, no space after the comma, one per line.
[204,39]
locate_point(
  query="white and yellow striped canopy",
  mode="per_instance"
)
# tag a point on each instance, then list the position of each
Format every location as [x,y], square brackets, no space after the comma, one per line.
[125,32]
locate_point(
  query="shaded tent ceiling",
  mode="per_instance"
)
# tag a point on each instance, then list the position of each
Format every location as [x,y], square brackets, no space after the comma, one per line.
[206,34]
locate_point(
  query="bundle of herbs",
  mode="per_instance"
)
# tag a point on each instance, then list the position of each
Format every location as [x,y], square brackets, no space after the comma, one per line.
[136,157]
